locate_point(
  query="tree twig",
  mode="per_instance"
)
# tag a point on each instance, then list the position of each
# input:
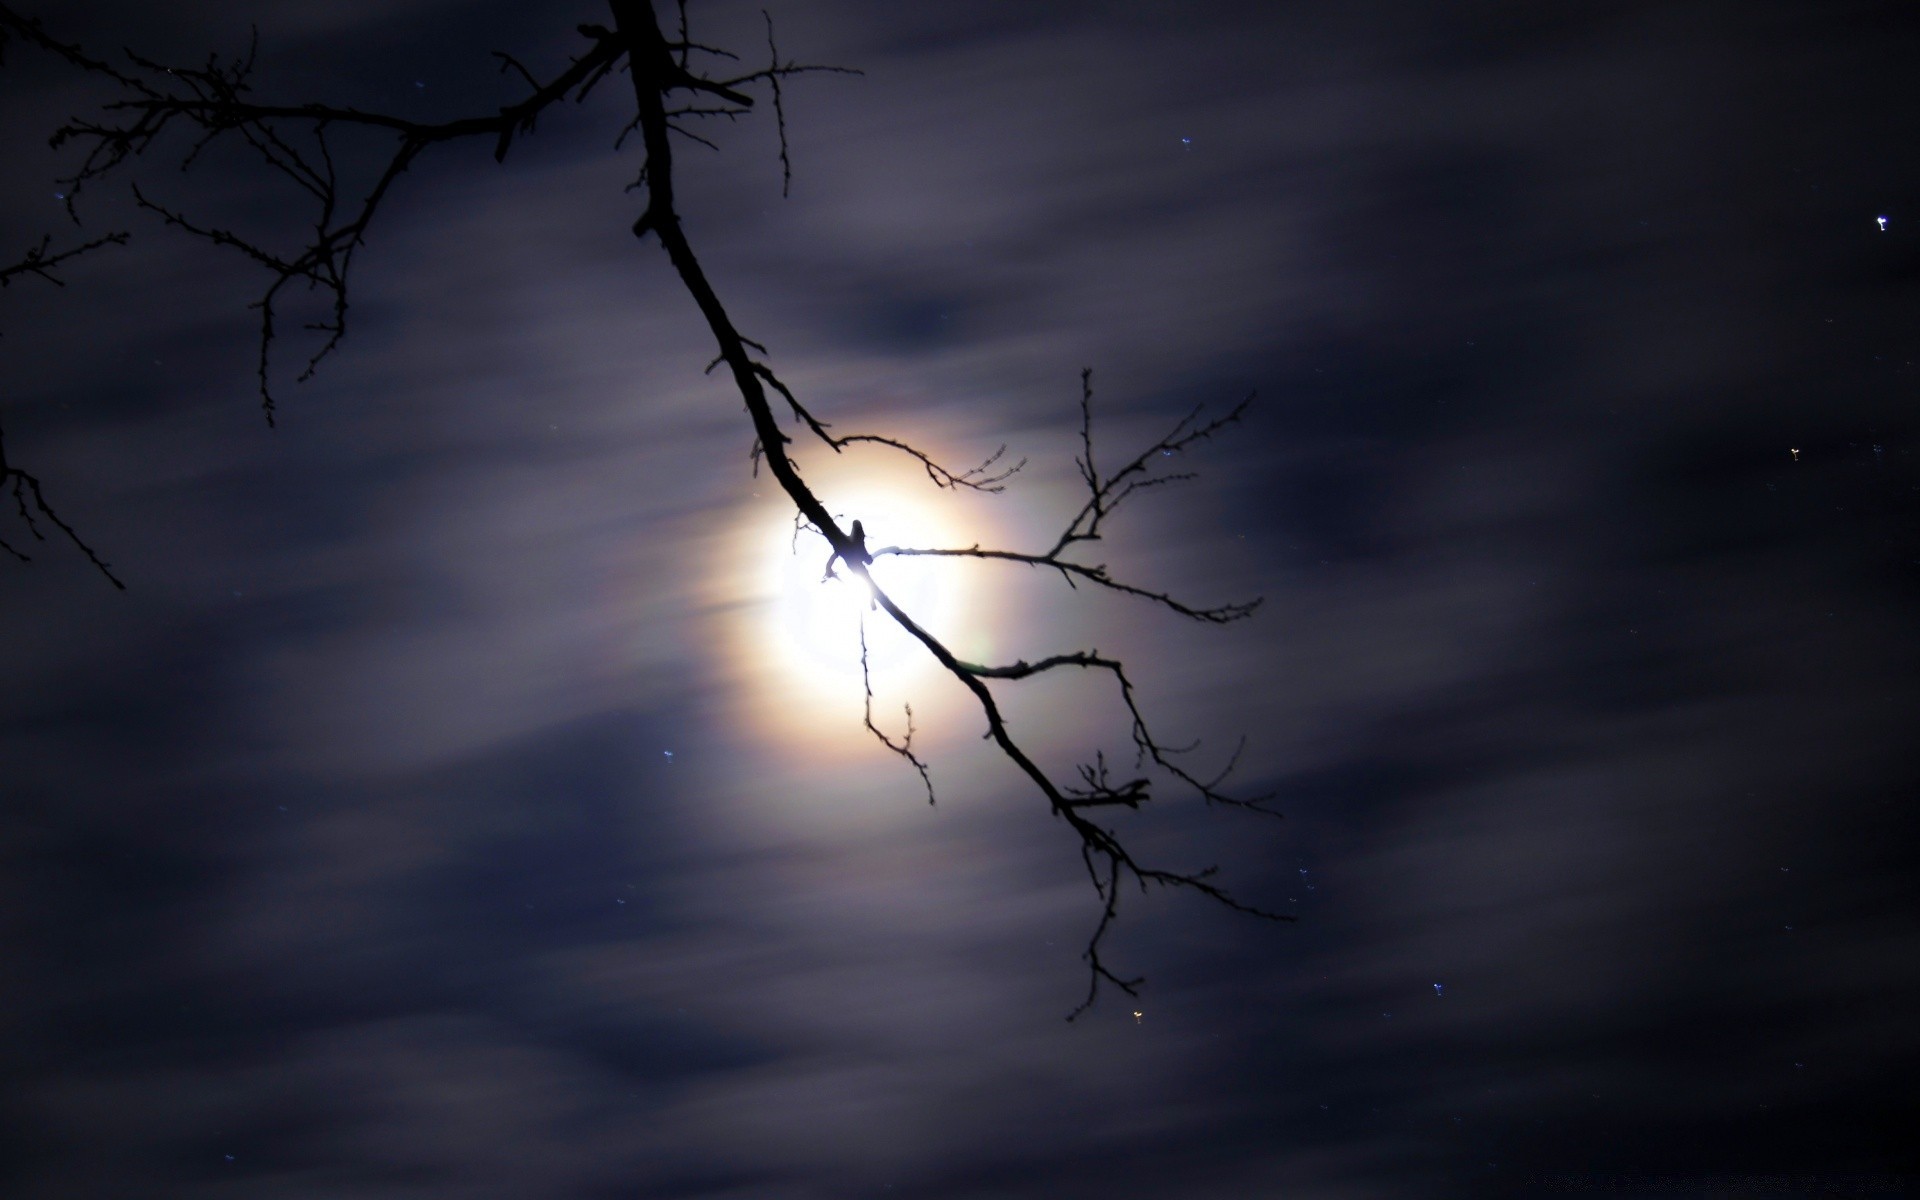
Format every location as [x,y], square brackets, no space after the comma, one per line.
[29,495]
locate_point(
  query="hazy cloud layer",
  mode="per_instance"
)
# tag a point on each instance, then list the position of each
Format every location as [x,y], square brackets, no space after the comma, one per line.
[405,830]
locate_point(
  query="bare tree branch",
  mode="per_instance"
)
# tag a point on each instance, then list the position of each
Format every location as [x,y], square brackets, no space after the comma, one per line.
[655,74]
[1105,495]
[38,262]
[213,101]
[902,746]
[22,485]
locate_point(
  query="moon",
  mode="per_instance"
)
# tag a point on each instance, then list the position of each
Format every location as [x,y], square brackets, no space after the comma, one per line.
[816,621]
[794,634]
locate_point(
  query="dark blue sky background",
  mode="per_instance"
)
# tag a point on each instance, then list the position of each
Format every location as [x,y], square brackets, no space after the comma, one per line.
[439,814]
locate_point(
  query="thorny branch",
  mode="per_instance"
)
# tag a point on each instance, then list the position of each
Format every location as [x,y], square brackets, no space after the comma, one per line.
[213,101]
[38,263]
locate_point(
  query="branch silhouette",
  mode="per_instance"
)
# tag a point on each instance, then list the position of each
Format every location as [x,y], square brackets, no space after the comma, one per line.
[29,495]
[672,90]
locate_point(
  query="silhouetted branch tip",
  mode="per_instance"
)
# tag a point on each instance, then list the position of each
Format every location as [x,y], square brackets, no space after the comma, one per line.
[902,746]
[39,260]
[30,501]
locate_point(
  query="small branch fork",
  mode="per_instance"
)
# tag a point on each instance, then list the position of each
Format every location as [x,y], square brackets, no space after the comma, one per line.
[38,263]
[25,486]
[989,476]
[29,498]
[213,101]
[1105,494]
[902,746]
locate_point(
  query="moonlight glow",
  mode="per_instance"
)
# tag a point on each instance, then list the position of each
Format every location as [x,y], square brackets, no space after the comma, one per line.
[815,621]
[793,636]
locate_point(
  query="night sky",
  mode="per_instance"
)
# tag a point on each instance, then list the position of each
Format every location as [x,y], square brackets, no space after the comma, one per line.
[466,799]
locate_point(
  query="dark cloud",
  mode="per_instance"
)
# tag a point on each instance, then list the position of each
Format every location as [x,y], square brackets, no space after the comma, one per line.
[415,826]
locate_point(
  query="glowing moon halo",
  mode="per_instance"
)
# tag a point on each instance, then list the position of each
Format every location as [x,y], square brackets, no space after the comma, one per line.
[792,637]
[816,620]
